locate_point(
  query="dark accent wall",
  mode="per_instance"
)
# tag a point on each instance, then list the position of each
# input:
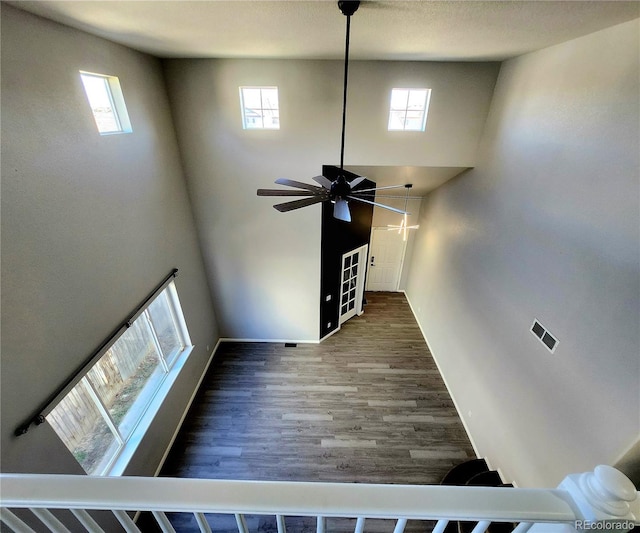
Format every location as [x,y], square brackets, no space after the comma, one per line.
[339,237]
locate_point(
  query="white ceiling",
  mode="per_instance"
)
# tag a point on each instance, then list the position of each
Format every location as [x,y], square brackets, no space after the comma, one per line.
[387,30]
[454,30]
[422,179]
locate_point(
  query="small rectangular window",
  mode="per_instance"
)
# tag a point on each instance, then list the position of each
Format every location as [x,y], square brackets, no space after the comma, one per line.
[260,108]
[107,103]
[408,109]
[97,418]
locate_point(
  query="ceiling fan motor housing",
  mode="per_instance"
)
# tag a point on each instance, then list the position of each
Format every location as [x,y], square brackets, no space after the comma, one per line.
[348,7]
[340,188]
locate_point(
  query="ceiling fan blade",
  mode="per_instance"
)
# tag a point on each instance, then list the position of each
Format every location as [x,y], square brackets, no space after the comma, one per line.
[297,204]
[381,188]
[325,182]
[280,192]
[374,195]
[377,204]
[298,184]
[341,210]
[356,181]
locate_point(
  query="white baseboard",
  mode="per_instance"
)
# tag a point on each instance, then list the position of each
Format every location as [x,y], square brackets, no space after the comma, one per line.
[453,398]
[184,414]
[330,333]
[277,341]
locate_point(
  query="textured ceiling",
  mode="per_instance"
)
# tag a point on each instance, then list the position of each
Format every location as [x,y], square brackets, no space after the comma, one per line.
[423,179]
[391,30]
[457,30]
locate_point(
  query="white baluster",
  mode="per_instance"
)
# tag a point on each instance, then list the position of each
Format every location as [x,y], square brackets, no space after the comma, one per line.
[481,526]
[242,524]
[359,525]
[523,527]
[87,521]
[282,527]
[47,518]
[321,524]
[202,523]
[126,522]
[400,525]
[17,525]
[440,526]
[163,522]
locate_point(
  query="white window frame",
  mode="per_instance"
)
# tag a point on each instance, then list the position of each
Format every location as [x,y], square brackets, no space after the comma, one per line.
[171,365]
[425,111]
[261,109]
[116,98]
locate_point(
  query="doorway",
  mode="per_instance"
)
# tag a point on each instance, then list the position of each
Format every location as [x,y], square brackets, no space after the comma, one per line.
[385,260]
[352,283]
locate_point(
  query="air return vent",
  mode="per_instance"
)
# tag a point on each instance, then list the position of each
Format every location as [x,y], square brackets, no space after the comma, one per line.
[544,336]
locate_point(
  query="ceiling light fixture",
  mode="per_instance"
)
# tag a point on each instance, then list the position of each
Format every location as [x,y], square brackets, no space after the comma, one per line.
[403,227]
[339,191]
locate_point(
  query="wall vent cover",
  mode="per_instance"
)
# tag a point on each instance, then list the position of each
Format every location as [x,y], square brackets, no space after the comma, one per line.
[544,336]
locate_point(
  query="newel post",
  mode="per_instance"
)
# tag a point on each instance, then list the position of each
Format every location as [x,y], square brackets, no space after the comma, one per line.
[605,500]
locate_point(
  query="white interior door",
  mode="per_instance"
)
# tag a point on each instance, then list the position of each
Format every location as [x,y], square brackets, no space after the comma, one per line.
[352,283]
[385,260]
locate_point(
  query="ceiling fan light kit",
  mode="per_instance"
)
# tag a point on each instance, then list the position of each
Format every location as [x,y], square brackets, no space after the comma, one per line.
[338,191]
[403,227]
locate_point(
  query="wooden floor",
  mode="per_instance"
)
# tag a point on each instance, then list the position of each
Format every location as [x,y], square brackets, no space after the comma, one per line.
[367,405]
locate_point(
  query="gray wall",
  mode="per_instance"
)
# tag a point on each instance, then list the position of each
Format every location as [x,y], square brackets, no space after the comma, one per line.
[264,266]
[546,226]
[90,224]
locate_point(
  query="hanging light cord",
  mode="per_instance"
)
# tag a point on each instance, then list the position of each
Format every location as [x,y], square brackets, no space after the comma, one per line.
[344,98]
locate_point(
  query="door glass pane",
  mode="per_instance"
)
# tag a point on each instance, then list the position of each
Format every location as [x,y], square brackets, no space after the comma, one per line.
[344,310]
[128,375]
[164,326]
[80,425]
[347,261]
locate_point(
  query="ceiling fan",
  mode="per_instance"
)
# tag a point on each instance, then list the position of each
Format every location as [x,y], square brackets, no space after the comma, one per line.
[338,191]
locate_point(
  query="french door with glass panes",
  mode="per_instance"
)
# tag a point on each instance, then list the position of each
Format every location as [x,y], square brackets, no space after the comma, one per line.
[352,283]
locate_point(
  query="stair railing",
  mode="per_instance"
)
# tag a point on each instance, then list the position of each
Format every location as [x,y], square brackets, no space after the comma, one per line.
[603,500]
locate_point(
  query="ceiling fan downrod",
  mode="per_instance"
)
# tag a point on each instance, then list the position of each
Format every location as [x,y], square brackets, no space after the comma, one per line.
[338,191]
[348,8]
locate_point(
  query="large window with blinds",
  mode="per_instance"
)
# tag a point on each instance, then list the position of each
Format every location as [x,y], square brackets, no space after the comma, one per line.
[101,414]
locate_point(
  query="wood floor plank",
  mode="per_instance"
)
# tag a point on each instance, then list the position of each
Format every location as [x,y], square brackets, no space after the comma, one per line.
[367,405]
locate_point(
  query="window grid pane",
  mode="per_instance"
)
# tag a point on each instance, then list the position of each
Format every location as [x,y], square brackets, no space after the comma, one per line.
[79,423]
[163,321]
[98,416]
[106,102]
[408,109]
[260,108]
[126,376]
